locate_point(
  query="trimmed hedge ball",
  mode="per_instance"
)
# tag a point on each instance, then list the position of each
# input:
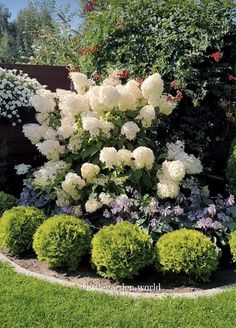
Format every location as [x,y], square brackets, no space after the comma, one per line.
[17,227]
[7,202]
[188,252]
[120,251]
[232,244]
[61,241]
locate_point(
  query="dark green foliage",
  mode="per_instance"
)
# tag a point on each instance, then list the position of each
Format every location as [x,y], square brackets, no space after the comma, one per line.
[187,252]
[6,202]
[17,227]
[231,169]
[61,241]
[120,251]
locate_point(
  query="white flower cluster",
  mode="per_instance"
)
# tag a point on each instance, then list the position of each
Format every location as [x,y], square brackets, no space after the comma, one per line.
[95,116]
[89,171]
[140,158]
[49,172]
[174,169]
[22,169]
[72,184]
[16,89]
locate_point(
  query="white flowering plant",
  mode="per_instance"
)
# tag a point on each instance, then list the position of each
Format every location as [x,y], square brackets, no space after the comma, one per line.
[99,141]
[16,89]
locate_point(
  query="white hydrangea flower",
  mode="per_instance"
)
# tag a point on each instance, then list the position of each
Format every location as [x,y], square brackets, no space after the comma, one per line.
[167,189]
[174,170]
[68,127]
[51,149]
[152,88]
[72,104]
[63,199]
[35,132]
[80,81]
[127,101]
[166,107]
[109,96]
[109,156]
[125,157]
[130,129]
[22,169]
[133,87]
[92,204]
[49,172]
[105,198]
[75,143]
[91,124]
[144,158]
[72,184]
[147,114]
[191,163]
[89,171]
[43,103]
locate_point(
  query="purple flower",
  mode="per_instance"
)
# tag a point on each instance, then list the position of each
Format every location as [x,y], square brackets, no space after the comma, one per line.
[230,201]
[211,209]
[178,210]
[204,223]
[154,223]
[107,214]
[165,211]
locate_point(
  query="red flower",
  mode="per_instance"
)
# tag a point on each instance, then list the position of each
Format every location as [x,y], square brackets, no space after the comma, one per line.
[139,80]
[232,78]
[124,75]
[84,51]
[174,84]
[97,75]
[95,48]
[170,98]
[216,56]
[90,5]
[179,96]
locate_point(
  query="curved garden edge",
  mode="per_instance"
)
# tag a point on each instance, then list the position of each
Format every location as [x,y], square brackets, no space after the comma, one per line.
[199,293]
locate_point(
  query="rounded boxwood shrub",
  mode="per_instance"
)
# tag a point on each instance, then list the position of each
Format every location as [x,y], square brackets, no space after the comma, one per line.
[188,252]
[61,241]
[232,244]
[17,227]
[7,202]
[120,251]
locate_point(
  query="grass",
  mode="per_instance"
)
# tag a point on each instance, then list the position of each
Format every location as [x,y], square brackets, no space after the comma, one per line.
[28,303]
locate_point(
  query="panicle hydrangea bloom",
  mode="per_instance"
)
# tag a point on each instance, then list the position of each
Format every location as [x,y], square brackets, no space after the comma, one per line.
[89,171]
[72,184]
[109,156]
[144,158]
[152,89]
[130,129]
[147,114]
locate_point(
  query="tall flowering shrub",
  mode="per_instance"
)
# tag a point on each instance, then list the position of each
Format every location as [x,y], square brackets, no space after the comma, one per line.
[98,144]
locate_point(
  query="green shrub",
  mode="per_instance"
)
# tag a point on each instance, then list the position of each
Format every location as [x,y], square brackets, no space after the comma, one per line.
[61,241]
[17,227]
[232,244]
[6,202]
[187,252]
[231,169]
[120,251]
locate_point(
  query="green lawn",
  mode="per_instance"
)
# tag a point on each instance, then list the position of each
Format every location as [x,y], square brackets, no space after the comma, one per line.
[27,303]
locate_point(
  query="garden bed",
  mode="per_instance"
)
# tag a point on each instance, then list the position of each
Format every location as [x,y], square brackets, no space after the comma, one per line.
[143,284]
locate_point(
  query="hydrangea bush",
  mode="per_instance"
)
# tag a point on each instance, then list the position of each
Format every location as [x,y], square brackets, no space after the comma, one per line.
[98,142]
[16,88]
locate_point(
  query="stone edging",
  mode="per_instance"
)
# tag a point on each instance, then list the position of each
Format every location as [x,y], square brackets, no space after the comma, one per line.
[194,294]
